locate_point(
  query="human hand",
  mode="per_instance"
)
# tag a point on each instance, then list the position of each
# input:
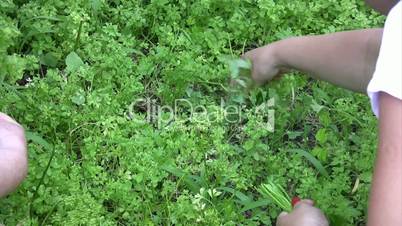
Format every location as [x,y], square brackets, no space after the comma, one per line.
[303,214]
[12,135]
[265,64]
[13,154]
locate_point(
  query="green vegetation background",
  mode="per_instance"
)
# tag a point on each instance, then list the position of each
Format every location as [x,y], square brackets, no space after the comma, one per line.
[70,69]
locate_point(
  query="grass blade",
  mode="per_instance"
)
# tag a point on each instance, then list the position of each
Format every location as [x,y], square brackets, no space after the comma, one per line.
[242,197]
[255,204]
[317,164]
[192,182]
[38,140]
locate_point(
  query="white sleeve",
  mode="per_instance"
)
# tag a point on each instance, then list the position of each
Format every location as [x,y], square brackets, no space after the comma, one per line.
[388,76]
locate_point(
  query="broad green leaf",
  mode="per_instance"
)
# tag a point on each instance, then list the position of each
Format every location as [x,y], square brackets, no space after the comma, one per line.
[96,4]
[73,62]
[79,98]
[321,136]
[316,107]
[320,153]
[238,98]
[49,59]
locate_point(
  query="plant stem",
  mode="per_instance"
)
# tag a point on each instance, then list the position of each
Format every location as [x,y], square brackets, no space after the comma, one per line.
[77,40]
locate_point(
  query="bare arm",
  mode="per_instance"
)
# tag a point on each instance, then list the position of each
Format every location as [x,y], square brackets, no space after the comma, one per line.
[346,59]
[13,155]
[386,193]
[382,6]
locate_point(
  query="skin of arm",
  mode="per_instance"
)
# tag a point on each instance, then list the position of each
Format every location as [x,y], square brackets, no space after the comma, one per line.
[382,6]
[346,59]
[385,206]
[13,155]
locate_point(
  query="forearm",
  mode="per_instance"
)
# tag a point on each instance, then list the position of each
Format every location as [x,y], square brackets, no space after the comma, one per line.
[386,192]
[346,59]
[382,6]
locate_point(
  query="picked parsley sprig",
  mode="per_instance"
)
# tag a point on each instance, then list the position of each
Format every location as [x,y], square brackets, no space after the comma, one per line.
[277,195]
[240,79]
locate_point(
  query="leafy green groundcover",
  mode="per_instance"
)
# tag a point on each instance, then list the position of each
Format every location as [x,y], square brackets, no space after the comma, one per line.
[70,71]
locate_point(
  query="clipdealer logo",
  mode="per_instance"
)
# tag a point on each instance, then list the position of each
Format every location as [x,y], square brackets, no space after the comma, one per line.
[164,115]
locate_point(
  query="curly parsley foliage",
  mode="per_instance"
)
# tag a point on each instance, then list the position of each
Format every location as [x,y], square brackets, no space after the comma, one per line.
[71,70]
